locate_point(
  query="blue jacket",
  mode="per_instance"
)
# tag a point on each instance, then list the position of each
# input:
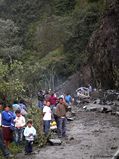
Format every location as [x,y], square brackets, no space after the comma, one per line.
[7,118]
[68,99]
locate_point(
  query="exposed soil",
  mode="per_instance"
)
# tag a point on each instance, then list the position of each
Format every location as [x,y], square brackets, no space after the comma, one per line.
[90,136]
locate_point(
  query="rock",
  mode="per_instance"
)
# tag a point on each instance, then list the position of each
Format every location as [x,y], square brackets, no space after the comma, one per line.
[97,101]
[85,107]
[95,95]
[73,113]
[71,138]
[109,103]
[70,119]
[116,103]
[113,113]
[92,109]
[106,110]
[98,108]
[69,108]
[55,142]
[114,147]
[116,155]
[117,113]
[34,152]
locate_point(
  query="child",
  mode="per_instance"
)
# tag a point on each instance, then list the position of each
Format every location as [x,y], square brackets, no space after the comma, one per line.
[29,133]
[19,126]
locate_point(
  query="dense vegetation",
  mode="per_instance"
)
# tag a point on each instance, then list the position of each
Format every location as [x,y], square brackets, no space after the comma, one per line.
[43,41]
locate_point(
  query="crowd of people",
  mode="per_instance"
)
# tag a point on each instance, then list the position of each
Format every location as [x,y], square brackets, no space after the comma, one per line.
[14,128]
[13,125]
[54,109]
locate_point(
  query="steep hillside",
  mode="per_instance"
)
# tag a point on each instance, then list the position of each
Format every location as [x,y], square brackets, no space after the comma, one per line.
[104,49]
[46,42]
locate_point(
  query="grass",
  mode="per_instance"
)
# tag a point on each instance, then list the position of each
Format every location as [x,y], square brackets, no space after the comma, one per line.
[14,149]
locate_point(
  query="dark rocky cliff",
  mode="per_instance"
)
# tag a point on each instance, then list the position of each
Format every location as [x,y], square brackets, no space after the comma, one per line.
[103,49]
[102,67]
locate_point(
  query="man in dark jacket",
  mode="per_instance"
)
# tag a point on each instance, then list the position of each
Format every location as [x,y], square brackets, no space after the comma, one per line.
[40,99]
[61,111]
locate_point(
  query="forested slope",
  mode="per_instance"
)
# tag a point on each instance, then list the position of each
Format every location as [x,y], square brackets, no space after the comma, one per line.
[43,42]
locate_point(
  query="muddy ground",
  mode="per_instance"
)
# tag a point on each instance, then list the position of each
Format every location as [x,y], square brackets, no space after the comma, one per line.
[91,135]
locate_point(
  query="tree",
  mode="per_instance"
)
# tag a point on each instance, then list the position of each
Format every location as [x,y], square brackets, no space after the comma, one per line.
[9,42]
[10,81]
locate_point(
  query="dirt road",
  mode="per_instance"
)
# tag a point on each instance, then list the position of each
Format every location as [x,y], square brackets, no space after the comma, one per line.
[91,136]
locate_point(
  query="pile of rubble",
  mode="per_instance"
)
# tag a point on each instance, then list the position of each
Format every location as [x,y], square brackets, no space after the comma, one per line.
[104,102]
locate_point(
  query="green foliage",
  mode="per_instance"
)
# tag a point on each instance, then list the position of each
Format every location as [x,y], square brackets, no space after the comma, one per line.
[70,31]
[49,37]
[82,30]
[52,58]
[93,0]
[14,149]
[10,82]
[9,42]
[22,11]
[62,7]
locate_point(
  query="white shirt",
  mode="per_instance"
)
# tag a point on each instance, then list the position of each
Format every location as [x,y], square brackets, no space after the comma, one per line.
[29,133]
[20,121]
[47,111]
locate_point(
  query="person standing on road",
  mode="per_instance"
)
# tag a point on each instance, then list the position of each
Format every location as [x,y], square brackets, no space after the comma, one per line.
[29,133]
[3,148]
[68,99]
[61,111]
[19,126]
[7,119]
[52,101]
[47,96]
[40,99]
[46,117]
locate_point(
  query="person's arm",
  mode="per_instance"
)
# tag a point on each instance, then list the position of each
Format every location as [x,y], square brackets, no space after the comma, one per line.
[6,116]
[13,115]
[66,107]
[23,121]
[15,119]
[26,133]
[57,110]
[44,111]
[71,98]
